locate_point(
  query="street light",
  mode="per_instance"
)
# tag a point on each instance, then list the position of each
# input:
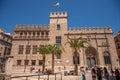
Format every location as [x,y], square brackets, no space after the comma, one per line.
[26,59]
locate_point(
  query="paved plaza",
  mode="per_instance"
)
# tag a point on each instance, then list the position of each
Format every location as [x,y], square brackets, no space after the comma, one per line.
[51,77]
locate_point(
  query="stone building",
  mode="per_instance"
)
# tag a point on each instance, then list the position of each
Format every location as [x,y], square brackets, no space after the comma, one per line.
[100,51]
[5,49]
[117,43]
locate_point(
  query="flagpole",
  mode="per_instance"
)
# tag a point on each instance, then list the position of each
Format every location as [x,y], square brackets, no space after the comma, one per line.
[55,6]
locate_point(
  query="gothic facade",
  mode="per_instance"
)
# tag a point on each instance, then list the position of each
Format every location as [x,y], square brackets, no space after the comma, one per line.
[100,51]
[117,43]
[5,49]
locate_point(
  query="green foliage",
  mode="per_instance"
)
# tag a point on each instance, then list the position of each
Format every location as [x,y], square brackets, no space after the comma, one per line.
[43,50]
[54,49]
[76,43]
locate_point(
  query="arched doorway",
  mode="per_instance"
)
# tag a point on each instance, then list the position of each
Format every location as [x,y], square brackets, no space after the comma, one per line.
[91,57]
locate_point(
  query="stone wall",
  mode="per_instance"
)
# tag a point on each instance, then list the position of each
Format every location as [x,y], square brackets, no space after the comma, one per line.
[100,39]
[4,76]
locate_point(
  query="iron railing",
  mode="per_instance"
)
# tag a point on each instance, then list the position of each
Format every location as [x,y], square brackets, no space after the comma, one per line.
[40,76]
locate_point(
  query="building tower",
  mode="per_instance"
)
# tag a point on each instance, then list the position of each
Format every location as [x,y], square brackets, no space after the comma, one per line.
[58,25]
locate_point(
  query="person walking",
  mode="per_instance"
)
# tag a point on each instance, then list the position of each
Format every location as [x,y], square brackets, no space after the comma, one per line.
[117,74]
[99,74]
[93,72]
[106,74]
[83,75]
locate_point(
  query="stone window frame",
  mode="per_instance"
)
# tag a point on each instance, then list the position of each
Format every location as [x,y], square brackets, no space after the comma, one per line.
[34,49]
[40,62]
[19,62]
[21,49]
[21,33]
[46,33]
[58,39]
[33,33]
[28,48]
[42,34]
[38,34]
[107,59]
[26,62]
[58,26]
[33,62]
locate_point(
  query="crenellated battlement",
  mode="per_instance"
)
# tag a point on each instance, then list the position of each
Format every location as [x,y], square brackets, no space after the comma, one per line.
[33,27]
[107,29]
[89,28]
[58,14]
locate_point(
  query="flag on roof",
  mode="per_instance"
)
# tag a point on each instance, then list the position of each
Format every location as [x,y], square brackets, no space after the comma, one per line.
[56,4]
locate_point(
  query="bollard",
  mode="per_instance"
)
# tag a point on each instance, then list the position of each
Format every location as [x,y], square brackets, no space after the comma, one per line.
[26,77]
[61,75]
[55,76]
[48,76]
[38,76]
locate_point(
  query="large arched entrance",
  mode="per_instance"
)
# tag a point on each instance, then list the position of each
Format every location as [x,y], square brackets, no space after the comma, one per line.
[91,57]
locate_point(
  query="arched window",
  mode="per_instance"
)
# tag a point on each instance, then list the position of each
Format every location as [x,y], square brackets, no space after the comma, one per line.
[25,33]
[107,58]
[42,34]
[21,33]
[38,33]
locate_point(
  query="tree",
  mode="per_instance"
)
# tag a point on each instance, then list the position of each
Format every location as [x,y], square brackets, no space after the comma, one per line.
[76,44]
[43,50]
[54,49]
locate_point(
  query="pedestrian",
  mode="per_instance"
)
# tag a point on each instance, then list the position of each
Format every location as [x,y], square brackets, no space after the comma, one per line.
[101,70]
[99,74]
[93,72]
[106,74]
[86,69]
[83,75]
[39,70]
[117,74]
[31,69]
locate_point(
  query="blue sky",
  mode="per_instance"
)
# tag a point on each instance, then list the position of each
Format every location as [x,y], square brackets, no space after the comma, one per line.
[88,13]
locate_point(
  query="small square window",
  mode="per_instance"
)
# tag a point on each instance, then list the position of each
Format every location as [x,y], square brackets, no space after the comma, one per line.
[58,39]
[58,26]
[26,62]
[40,62]
[19,62]
[33,62]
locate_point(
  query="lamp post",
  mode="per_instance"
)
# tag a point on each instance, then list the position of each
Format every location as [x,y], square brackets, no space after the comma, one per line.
[26,58]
